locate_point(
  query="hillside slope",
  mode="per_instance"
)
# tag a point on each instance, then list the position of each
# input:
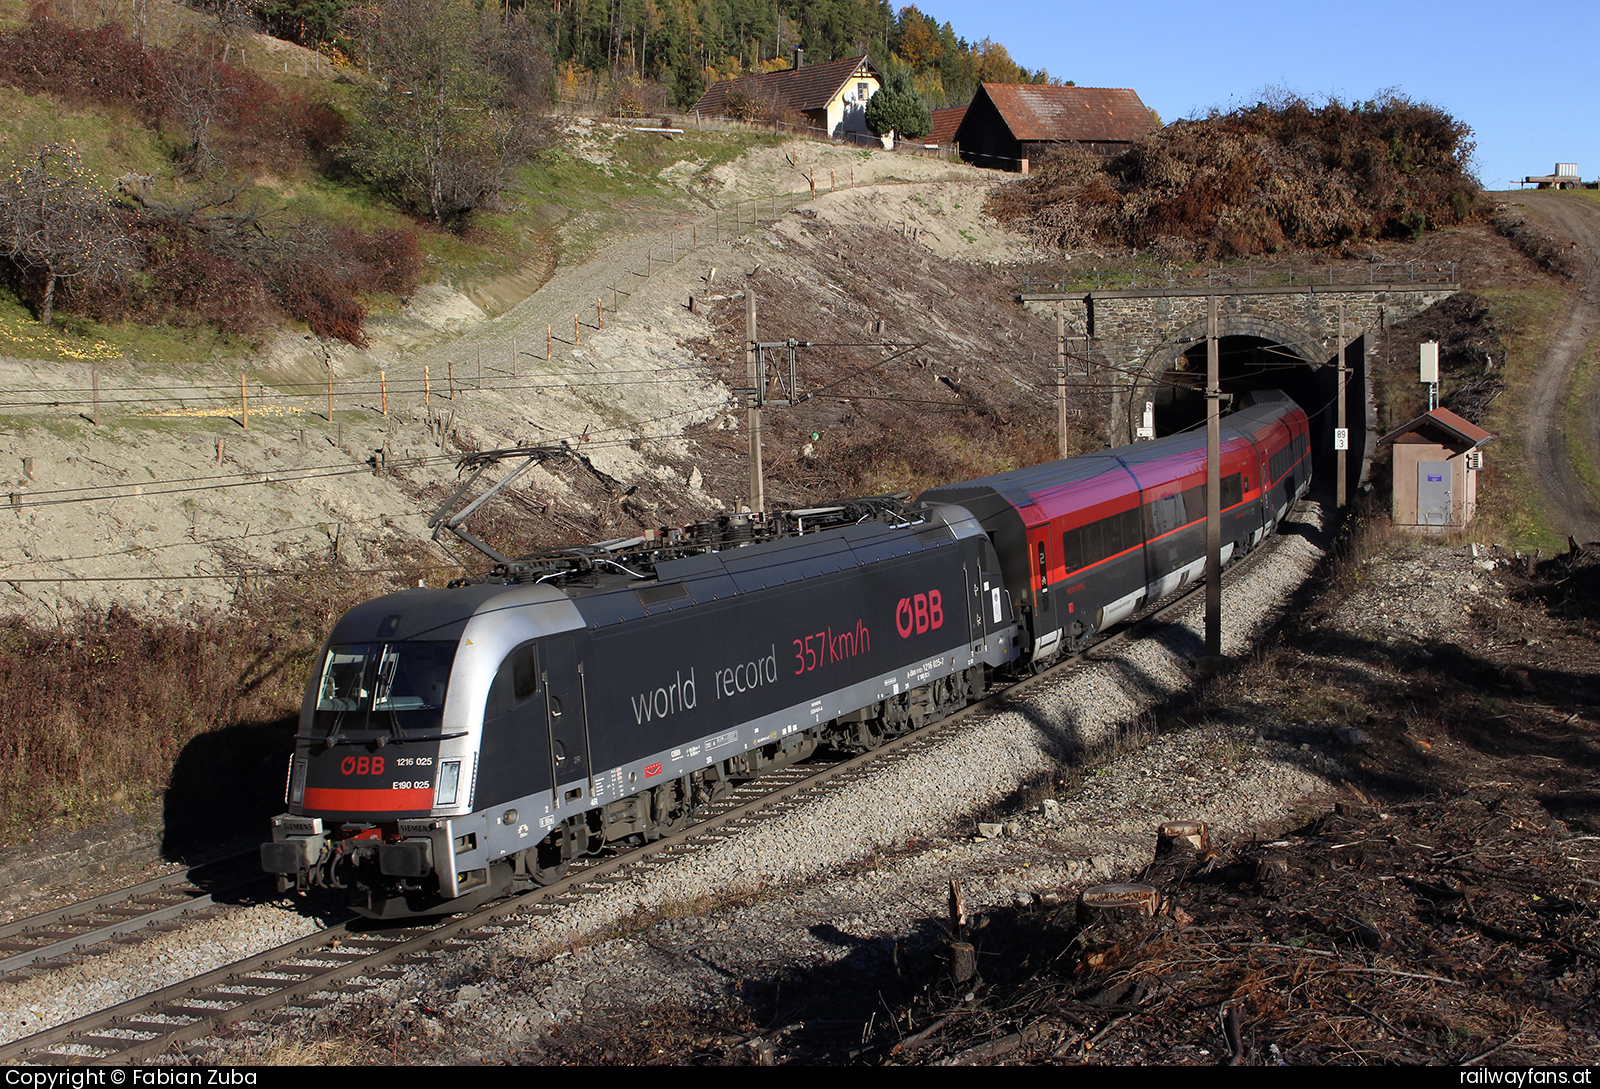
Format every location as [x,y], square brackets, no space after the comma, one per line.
[171,482]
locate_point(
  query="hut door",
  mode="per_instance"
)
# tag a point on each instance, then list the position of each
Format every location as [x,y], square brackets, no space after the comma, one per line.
[1434,479]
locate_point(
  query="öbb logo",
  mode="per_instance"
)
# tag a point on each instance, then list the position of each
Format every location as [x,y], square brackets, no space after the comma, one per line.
[361,765]
[919,614]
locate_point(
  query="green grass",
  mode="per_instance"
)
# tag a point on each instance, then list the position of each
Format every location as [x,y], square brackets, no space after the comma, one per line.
[593,201]
[1510,506]
[73,339]
[111,142]
[1575,416]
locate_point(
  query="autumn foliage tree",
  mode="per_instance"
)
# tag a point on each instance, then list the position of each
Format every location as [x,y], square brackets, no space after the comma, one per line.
[1282,174]
[56,225]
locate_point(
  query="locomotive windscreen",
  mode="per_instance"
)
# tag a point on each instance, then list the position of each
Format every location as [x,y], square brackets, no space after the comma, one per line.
[395,688]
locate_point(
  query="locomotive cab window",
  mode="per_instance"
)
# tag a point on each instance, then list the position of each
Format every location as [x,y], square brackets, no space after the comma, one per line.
[392,687]
[516,681]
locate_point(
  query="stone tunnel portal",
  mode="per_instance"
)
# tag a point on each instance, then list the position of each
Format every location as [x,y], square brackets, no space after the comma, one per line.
[1252,362]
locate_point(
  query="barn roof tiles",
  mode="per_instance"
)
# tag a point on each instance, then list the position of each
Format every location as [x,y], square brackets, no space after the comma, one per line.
[1085,114]
[945,123]
[809,88]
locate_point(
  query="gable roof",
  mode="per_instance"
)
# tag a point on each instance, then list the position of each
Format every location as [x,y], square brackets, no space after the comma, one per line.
[1443,419]
[809,88]
[1085,114]
[945,123]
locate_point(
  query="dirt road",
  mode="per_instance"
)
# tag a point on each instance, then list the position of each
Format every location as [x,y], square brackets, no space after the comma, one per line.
[1573,506]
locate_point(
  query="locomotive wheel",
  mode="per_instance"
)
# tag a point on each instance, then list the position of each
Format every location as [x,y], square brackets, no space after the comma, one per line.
[547,861]
[550,875]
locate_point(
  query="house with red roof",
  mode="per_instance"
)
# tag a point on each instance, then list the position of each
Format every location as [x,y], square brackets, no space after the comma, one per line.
[945,124]
[832,96]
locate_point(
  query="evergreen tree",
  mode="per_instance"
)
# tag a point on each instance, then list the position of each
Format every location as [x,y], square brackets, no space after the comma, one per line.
[897,107]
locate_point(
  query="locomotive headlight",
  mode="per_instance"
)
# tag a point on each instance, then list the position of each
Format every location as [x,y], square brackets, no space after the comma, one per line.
[449,776]
[297,779]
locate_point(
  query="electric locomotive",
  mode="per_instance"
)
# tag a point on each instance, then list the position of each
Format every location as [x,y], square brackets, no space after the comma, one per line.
[454,743]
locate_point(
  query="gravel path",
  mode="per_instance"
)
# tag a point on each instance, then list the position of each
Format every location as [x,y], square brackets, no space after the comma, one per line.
[1571,505]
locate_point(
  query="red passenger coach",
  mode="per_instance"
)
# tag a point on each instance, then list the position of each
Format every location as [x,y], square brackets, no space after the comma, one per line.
[1093,538]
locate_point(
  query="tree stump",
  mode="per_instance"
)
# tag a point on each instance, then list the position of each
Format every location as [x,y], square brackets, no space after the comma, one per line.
[1109,917]
[963,963]
[1175,837]
[1272,873]
[1116,903]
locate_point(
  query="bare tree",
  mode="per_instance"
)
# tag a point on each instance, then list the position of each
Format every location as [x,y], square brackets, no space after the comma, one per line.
[56,224]
[201,99]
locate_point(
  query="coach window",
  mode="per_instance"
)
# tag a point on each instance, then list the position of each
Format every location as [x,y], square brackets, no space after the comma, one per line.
[1072,557]
[1232,490]
[516,681]
[1044,572]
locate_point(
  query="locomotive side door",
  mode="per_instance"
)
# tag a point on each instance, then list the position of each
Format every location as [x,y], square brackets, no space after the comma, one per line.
[567,713]
[974,606]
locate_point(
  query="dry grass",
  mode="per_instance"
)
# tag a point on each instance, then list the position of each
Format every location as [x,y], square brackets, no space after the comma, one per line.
[110,711]
[1510,510]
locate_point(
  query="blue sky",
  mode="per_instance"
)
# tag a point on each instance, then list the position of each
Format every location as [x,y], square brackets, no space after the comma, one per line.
[1523,75]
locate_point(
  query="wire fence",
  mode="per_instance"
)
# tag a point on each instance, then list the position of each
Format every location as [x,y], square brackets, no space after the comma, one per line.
[669,120]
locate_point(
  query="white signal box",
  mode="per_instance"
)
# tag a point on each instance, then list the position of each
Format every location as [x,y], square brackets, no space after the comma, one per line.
[1341,438]
[1147,429]
[1430,362]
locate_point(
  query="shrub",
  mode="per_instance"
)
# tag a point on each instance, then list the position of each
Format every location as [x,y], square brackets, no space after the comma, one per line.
[1276,174]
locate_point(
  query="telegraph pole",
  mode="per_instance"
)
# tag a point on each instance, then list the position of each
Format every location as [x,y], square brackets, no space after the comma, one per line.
[758,500]
[1213,484]
[1061,379]
[1341,437]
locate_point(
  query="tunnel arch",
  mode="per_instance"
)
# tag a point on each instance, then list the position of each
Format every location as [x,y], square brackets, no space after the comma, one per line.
[1255,352]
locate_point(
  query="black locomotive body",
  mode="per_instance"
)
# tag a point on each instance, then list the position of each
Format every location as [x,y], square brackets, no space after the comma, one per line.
[457,742]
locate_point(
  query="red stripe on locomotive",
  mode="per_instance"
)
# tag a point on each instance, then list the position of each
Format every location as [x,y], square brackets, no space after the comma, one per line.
[336,799]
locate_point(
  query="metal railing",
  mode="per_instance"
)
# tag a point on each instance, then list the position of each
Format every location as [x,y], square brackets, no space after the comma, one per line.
[713,123]
[1362,274]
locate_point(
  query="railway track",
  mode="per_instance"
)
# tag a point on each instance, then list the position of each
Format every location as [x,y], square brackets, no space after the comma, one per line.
[54,938]
[353,956]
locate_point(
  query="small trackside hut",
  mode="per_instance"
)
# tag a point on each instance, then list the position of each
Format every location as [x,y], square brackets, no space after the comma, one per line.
[1436,461]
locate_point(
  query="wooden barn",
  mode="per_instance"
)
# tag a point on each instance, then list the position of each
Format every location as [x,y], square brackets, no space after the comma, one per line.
[1009,125]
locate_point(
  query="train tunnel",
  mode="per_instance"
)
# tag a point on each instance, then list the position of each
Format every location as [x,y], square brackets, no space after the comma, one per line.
[1250,362]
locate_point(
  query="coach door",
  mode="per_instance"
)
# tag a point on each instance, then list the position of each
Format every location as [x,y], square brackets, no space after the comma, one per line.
[566,709]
